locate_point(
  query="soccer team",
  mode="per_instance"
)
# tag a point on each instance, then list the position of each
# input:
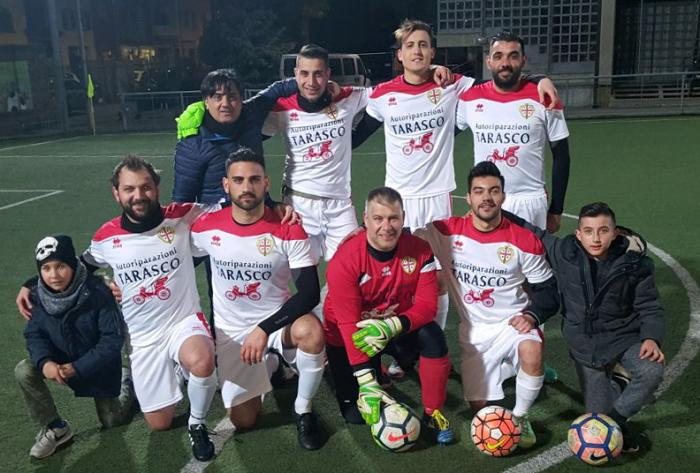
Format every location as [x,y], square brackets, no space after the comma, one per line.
[387,281]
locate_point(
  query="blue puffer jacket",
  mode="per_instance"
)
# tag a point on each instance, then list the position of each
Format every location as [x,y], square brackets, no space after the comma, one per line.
[90,335]
[200,155]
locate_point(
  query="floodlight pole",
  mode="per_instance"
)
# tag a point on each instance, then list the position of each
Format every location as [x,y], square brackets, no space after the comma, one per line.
[59,81]
[88,100]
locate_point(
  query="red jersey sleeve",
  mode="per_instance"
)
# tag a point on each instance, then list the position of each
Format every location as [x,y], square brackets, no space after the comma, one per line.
[424,307]
[343,287]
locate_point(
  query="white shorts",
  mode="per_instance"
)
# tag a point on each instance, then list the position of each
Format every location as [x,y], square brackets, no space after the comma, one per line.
[531,207]
[156,369]
[421,211]
[326,221]
[484,350]
[239,381]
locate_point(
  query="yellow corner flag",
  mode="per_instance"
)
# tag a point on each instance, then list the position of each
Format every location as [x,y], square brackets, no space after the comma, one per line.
[90,87]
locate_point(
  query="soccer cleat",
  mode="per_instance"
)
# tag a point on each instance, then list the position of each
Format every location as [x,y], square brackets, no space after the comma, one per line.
[395,371]
[383,378]
[283,374]
[309,431]
[527,434]
[440,426]
[202,446]
[550,375]
[48,440]
[350,412]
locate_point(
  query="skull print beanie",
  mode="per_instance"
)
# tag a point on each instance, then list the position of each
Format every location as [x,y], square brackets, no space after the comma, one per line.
[56,247]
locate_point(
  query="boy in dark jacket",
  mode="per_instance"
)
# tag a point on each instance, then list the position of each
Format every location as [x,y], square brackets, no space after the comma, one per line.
[74,338]
[613,321]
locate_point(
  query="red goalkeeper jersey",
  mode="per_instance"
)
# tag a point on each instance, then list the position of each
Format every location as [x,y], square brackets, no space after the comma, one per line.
[362,283]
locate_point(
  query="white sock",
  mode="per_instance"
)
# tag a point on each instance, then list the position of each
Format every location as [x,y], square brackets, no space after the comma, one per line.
[200,392]
[527,387]
[443,306]
[310,367]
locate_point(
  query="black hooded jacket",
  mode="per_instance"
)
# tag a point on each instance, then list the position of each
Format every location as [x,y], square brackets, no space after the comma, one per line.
[609,305]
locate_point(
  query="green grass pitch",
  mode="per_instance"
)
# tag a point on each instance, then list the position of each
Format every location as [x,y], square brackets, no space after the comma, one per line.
[647,170]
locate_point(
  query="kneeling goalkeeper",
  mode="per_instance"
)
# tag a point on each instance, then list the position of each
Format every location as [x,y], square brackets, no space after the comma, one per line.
[382,297]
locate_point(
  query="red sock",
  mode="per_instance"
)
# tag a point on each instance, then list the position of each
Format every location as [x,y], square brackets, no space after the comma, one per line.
[433,373]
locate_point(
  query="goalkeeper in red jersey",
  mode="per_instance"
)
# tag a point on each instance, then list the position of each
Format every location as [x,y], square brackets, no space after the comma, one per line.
[383,298]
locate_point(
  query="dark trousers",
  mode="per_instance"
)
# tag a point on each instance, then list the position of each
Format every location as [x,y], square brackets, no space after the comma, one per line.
[602,394]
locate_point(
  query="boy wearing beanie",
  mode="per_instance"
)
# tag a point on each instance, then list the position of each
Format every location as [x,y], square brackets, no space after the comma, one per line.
[74,338]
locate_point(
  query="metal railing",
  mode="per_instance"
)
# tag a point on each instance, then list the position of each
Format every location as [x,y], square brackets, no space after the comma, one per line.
[584,97]
[630,94]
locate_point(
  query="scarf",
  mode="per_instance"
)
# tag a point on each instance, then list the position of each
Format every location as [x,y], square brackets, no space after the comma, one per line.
[57,303]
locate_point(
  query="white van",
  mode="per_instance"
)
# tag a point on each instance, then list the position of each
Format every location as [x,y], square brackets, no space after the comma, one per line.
[346,69]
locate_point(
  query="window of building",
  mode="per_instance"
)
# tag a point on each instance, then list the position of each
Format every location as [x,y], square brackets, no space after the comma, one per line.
[69,20]
[530,19]
[6,23]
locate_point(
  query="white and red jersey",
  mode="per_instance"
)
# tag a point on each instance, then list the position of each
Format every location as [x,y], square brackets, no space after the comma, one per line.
[250,265]
[511,130]
[486,270]
[419,122]
[153,269]
[319,145]
[360,286]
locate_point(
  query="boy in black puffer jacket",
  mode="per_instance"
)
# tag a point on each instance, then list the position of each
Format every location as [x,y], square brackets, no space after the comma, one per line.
[613,322]
[74,338]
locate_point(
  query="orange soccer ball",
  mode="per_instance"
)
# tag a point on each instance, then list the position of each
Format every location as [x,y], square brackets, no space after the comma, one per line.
[494,431]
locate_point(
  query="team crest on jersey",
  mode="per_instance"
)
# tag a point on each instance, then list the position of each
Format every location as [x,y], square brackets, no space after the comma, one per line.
[216,240]
[526,110]
[434,96]
[505,253]
[293,117]
[408,264]
[167,234]
[265,245]
[332,112]
[116,243]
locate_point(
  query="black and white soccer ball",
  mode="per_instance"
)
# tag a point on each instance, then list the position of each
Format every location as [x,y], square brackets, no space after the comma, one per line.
[398,428]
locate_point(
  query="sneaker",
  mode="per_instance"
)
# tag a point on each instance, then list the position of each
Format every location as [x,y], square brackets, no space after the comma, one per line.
[395,371]
[632,443]
[621,376]
[527,434]
[440,427]
[48,440]
[550,375]
[202,446]
[309,431]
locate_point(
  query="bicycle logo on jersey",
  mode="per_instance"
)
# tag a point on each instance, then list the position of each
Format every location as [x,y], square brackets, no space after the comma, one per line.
[484,297]
[508,156]
[324,151]
[424,143]
[159,291]
[249,290]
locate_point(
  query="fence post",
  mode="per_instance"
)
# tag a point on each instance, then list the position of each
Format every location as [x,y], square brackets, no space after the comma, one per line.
[682,93]
[123,112]
[182,102]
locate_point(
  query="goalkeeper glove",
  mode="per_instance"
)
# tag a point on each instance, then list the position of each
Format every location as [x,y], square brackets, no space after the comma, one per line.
[371,396]
[374,334]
